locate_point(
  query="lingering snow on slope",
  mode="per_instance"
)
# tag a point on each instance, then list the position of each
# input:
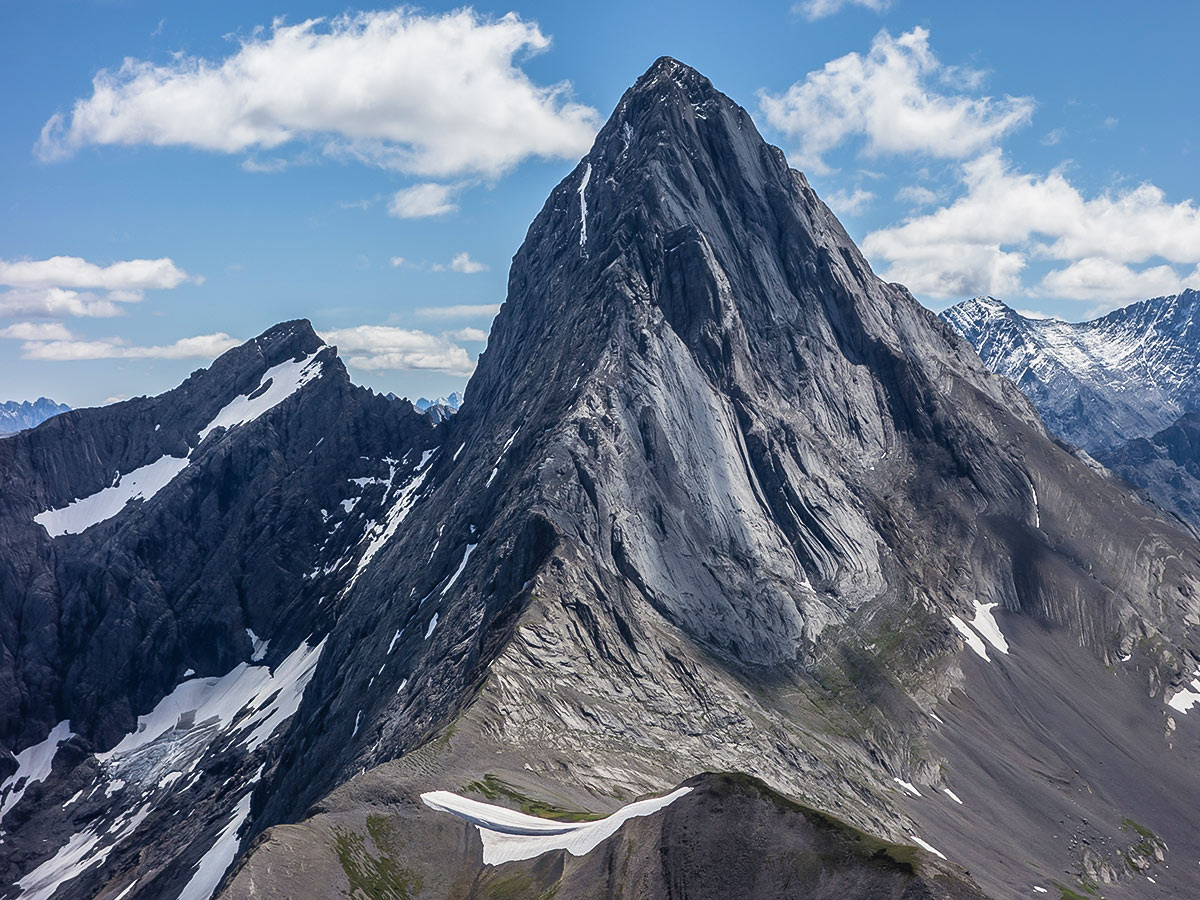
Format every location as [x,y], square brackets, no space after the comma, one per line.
[462,565]
[496,467]
[953,796]
[908,786]
[213,865]
[987,626]
[432,625]
[174,736]
[377,534]
[924,846]
[1188,696]
[970,637]
[77,855]
[583,183]
[508,835]
[33,765]
[280,382]
[140,484]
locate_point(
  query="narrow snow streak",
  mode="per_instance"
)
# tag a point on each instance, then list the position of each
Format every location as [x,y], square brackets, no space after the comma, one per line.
[462,565]
[583,183]
[219,857]
[508,835]
[924,846]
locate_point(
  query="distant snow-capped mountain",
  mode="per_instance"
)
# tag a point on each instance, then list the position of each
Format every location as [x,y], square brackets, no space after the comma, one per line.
[17,415]
[1128,374]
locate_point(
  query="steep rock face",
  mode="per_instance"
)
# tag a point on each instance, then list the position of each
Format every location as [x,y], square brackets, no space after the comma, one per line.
[721,499]
[1165,465]
[17,416]
[1097,384]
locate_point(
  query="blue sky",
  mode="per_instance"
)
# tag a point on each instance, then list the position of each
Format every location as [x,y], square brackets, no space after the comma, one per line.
[376,172]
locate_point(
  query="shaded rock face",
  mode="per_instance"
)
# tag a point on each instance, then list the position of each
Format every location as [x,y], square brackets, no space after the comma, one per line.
[222,572]
[18,415]
[1166,466]
[719,500]
[1097,384]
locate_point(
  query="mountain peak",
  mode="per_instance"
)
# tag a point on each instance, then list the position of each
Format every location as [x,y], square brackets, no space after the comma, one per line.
[668,74]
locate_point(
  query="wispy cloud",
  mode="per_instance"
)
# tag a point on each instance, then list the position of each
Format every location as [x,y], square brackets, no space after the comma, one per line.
[820,9]
[461,263]
[460,311]
[204,346]
[384,347]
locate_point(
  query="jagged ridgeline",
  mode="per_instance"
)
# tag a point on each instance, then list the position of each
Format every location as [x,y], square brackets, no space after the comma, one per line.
[736,574]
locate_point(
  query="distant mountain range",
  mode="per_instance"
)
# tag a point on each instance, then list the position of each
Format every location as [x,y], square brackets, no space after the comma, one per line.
[1100,383]
[18,415]
[1124,386]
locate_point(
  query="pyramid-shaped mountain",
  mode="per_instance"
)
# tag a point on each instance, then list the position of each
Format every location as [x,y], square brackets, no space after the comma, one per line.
[719,501]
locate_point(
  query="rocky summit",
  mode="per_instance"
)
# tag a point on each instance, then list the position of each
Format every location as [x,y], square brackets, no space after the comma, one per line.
[737,573]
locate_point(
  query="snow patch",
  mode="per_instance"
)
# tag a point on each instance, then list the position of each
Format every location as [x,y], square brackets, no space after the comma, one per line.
[462,565]
[924,846]
[1188,696]
[219,857]
[281,382]
[140,484]
[953,796]
[508,835]
[75,857]
[34,764]
[969,636]
[908,786]
[258,646]
[250,700]
[432,625]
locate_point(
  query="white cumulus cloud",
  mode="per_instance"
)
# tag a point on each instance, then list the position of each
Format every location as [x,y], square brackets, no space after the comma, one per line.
[898,98]
[1120,245]
[423,201]
[74,272]
[429,94]
[376,347]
